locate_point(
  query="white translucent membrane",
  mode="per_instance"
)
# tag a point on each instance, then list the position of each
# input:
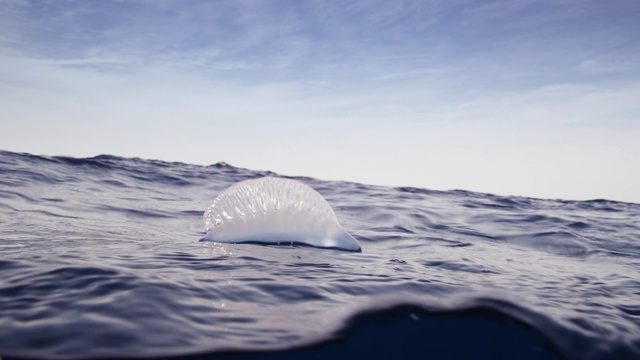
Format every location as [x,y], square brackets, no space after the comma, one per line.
[275,211]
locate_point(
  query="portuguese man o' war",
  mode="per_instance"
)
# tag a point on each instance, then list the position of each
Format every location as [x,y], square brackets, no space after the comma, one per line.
[273,210]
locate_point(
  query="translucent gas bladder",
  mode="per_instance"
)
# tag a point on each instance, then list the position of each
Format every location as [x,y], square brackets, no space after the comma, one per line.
[273,210]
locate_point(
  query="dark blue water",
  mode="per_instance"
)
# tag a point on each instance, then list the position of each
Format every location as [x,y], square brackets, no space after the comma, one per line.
[100,257]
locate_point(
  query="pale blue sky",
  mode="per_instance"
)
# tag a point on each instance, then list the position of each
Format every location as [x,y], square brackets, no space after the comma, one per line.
[533,98]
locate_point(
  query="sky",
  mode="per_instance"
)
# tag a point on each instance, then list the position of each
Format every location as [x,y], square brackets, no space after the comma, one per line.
[530,98]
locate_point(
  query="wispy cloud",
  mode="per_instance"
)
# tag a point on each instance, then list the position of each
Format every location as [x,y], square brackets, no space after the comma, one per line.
[497,84]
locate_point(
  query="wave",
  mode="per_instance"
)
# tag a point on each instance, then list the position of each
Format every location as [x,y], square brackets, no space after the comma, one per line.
[100,258]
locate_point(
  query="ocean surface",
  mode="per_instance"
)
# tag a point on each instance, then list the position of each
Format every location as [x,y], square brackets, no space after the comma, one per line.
[100,258]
